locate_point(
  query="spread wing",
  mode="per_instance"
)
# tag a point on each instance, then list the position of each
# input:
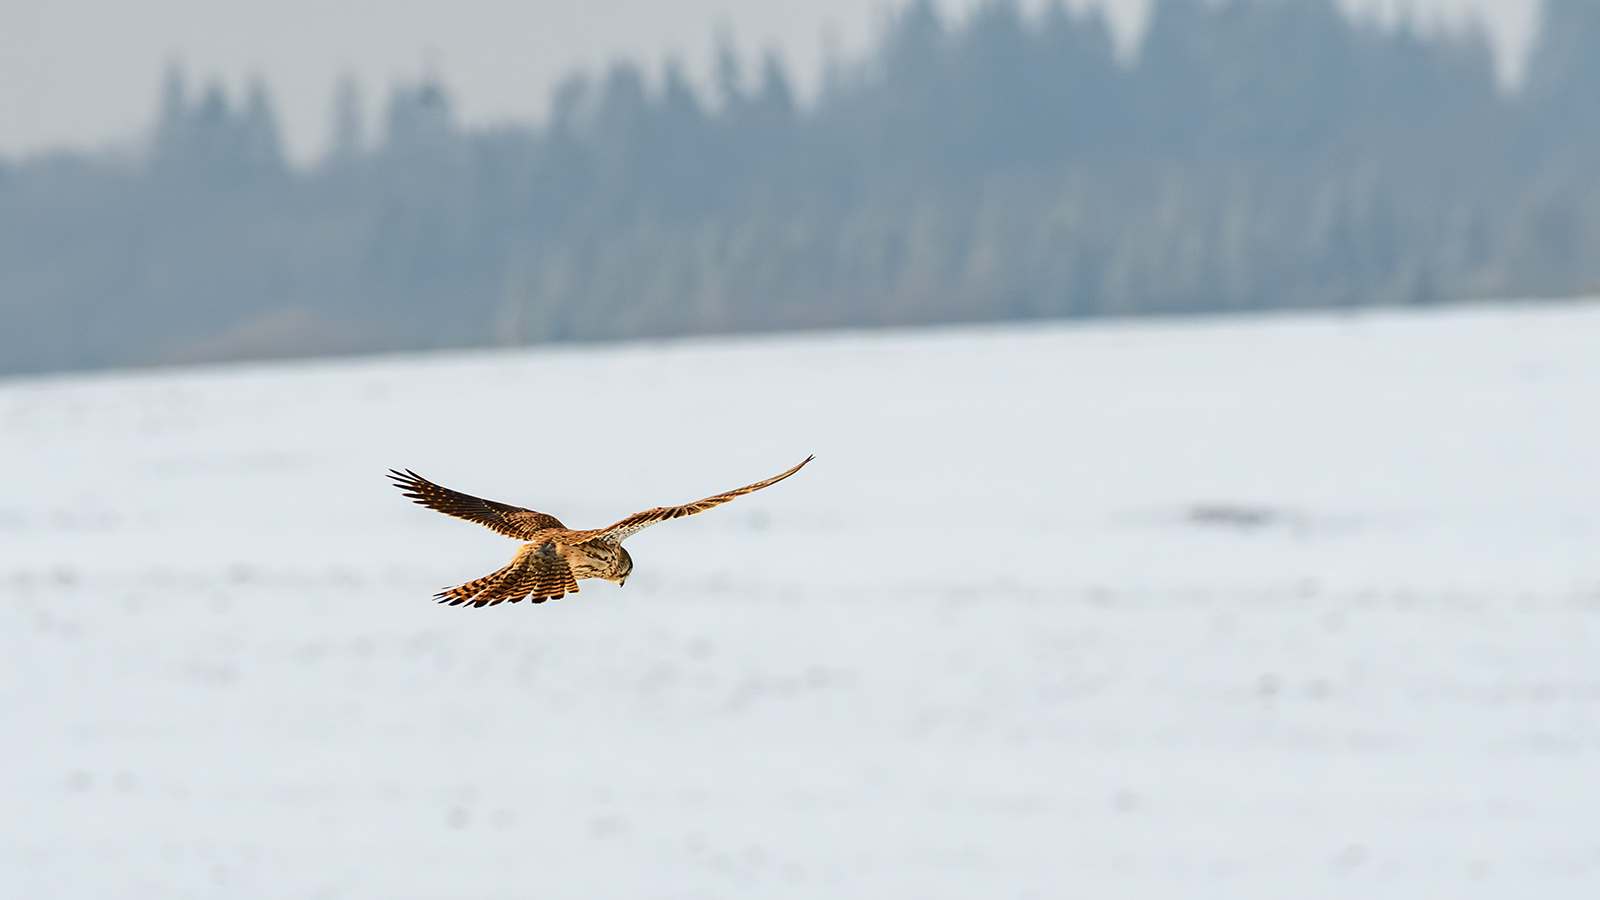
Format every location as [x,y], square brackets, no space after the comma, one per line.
[511,521]
[639,521]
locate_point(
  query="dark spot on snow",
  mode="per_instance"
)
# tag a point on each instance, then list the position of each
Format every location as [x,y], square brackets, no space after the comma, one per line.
[1233,515]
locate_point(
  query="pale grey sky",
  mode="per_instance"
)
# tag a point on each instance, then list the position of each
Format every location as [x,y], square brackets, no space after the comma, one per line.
[86,73]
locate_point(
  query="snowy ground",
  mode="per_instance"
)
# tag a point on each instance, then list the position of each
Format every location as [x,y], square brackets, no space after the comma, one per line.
[1292,607]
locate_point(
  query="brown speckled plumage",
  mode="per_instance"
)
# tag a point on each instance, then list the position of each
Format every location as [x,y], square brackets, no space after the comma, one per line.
[549,565]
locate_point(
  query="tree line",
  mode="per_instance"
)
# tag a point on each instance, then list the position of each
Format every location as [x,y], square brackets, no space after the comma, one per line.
[1256,154]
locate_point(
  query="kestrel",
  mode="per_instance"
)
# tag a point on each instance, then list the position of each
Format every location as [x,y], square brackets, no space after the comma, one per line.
[549,565]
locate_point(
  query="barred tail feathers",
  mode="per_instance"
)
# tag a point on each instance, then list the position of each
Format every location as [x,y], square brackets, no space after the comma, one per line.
[536,580]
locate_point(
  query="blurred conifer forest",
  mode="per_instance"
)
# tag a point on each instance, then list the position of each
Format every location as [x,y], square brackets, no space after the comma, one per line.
[1252,155]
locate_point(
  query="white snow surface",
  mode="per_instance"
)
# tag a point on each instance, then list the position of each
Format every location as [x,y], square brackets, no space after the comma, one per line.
[1297,606]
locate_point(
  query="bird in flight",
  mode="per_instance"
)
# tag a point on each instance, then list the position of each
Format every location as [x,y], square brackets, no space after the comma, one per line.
[554,557]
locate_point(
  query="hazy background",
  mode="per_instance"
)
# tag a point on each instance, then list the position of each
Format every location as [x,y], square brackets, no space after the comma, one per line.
[86,74]
[989,163]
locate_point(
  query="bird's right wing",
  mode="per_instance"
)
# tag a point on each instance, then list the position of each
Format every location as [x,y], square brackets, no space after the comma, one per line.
[511,521]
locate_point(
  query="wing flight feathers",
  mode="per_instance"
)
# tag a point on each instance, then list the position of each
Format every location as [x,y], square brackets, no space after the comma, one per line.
[511,521]
[639,521]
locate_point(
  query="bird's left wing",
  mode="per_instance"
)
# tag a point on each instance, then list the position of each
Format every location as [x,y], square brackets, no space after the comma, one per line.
[616,534]
[511,521]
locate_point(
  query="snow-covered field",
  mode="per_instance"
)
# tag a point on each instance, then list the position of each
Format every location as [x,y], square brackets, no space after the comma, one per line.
[1292,607]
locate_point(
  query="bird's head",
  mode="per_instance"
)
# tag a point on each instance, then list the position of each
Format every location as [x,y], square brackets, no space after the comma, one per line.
[622,568]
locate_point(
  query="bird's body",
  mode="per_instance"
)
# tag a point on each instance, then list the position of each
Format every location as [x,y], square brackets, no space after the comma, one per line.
[554,557]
